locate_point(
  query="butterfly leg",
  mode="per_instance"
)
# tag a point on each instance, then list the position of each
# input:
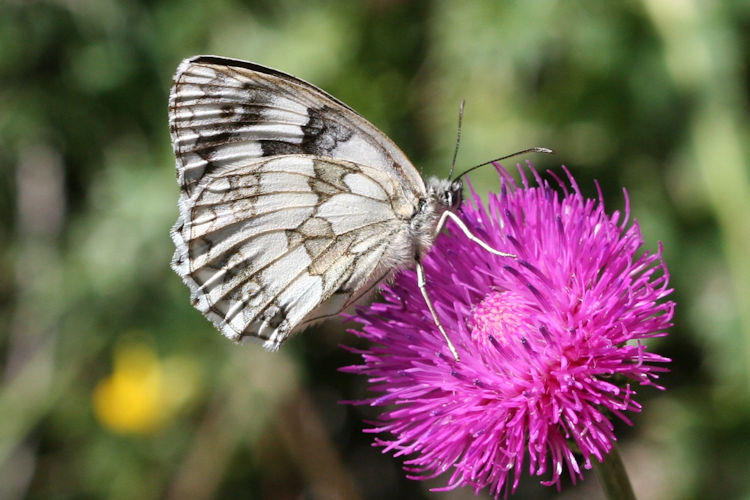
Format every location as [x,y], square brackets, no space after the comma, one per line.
[455,218]
[422,284]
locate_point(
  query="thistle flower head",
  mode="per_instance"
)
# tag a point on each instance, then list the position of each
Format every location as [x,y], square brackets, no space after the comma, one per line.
[550,342]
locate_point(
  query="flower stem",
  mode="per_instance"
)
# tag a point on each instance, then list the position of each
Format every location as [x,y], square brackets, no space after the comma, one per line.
[613,477]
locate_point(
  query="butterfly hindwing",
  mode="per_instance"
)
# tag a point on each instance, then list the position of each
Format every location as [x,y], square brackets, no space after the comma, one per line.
[275,245]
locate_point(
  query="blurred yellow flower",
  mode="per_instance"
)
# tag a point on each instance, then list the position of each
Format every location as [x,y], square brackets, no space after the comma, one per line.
[142,392]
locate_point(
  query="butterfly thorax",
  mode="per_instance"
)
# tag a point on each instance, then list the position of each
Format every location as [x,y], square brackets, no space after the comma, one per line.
[442,195]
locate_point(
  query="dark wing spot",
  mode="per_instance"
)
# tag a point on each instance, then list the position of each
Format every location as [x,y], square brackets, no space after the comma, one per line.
[227,111]
[274,316]
[275,148]
[321,136]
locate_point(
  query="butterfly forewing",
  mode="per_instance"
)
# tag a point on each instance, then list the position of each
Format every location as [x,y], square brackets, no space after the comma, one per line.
[292,205]
[225,111]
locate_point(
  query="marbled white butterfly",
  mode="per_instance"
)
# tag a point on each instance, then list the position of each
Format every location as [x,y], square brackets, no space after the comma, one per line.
[293,207]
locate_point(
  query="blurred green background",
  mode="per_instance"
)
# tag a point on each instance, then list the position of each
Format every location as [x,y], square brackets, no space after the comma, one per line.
[112,386]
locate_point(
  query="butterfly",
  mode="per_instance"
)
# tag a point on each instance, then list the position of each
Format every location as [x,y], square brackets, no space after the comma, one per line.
[292,207]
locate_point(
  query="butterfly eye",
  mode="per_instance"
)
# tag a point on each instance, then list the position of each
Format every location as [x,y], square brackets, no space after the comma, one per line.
[455,194]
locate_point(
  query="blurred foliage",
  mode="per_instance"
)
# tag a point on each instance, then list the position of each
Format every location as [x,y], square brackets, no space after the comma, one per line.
[114,387]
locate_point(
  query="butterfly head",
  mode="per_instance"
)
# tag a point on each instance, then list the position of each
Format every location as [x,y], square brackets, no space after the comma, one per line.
[441,195]
[447,193]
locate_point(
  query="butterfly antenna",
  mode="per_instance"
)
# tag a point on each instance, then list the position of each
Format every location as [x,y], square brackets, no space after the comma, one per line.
[458,136]
[517,153]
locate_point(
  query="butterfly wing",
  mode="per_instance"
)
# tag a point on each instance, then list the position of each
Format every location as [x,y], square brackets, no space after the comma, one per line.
[292,205]
[226,111]
[273,246]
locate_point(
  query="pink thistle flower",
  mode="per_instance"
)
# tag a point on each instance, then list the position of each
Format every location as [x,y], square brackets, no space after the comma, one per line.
[550,342]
